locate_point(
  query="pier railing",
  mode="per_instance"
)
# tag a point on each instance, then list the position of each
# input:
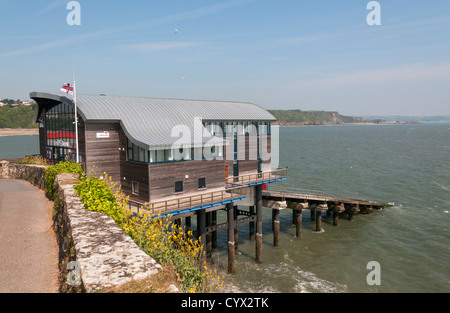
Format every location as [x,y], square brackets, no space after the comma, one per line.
[186,203]
[248,179]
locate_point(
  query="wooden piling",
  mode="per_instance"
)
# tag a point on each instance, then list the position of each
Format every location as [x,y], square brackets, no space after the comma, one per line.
[214,234]
[318,214]
[276,227]
[298,223]
[187,224]
[236,229]
[335,217]
[258,201]
[208,248]
[231,249]
[251,229]
[201,227]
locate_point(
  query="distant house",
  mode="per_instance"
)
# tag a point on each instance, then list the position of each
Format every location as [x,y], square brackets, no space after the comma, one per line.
[2,104]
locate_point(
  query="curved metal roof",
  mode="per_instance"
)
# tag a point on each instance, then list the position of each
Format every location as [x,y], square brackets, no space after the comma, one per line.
[149,122]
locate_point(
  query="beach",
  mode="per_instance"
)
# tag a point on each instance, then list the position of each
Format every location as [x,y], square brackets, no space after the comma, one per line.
[18,131]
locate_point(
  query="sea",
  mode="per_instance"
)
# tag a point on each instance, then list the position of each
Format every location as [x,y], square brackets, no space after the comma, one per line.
[406,165]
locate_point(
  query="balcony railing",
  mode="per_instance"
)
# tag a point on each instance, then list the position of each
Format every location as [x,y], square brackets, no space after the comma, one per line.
[255,178]
[185,204]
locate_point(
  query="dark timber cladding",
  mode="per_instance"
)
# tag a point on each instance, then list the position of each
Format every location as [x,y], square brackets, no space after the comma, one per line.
[178,157]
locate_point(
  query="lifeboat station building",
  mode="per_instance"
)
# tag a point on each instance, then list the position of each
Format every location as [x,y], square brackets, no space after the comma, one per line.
[171,156]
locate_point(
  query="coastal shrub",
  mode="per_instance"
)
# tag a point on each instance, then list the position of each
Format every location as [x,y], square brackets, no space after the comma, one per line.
[53,171]
[158,236]
[34,159]
[98,196]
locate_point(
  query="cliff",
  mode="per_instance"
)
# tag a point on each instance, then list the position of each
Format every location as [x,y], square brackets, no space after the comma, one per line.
[298,117]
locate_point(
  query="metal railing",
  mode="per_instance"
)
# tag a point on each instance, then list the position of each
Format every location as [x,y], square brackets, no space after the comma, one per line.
[181,203]
[239,181]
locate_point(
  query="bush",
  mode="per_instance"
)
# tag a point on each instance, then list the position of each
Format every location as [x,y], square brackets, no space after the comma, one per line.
[157,236]
[98,196]
[34,159]
[62,167]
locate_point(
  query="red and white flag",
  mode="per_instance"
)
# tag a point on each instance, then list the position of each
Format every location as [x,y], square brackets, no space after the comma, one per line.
[67,88]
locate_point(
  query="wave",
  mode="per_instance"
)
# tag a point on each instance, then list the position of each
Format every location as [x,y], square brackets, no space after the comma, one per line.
[284,278]
[441,186]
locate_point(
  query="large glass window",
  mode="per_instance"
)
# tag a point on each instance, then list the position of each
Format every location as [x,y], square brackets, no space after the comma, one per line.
[60,132]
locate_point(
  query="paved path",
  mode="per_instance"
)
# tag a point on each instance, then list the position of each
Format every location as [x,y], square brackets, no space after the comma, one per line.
[28,249]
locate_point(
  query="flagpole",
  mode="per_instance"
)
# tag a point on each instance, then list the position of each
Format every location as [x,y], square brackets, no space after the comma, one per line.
[76,114]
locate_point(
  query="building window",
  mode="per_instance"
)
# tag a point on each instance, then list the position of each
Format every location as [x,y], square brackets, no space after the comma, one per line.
[135,188]
[179,186]
[202,183]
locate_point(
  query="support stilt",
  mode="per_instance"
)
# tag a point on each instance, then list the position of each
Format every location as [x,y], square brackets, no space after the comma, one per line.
[236,229]
[214,234]
[298,223]
[276,227]
[187,224]
[201,229]
[252,225]
[208,248]
[318,220]
[335,217]
[258,201]
[231,249]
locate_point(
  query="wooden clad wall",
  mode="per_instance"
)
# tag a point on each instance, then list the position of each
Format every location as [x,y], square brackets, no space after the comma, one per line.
[102,154]
[133,172]
[164,175]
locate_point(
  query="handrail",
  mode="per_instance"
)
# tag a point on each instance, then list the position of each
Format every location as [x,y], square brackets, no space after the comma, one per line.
[255,177]
[187,202]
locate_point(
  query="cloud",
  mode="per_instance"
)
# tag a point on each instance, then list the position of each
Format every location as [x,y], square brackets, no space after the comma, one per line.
[190,14]
[164,45]
[406,73]
[51,6]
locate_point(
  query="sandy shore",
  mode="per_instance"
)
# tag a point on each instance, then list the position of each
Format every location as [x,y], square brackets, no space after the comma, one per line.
[18,131]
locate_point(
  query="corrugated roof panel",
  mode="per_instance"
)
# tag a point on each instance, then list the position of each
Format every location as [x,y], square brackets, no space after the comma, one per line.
[149,121]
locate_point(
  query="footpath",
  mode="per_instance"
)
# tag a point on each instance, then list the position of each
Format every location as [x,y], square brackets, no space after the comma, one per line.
[28,248]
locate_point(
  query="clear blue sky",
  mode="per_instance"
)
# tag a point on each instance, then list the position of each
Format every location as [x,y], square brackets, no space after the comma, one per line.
[287,54]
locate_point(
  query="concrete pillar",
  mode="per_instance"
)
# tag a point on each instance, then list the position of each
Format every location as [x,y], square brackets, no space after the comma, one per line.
[251,225]
[276,227]
[258,202]
[236,230]
[231,249]
[214,234]
[187,224]
[335,217]
[351,211]
[208,248]
[201,229]
[318,214]
[298,223]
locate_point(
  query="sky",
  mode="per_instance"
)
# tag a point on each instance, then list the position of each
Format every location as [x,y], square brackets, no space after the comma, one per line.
[286,54]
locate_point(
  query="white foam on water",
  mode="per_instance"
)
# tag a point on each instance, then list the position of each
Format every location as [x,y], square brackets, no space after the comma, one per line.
[293,277]
[441,186]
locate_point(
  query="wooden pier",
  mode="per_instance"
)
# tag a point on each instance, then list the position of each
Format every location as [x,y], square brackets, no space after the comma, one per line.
[317,204]
[243,201]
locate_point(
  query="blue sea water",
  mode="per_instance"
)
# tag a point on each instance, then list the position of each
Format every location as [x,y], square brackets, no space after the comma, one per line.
[408,165]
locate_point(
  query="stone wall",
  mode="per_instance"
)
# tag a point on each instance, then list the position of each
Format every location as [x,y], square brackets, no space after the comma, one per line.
[94,253]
